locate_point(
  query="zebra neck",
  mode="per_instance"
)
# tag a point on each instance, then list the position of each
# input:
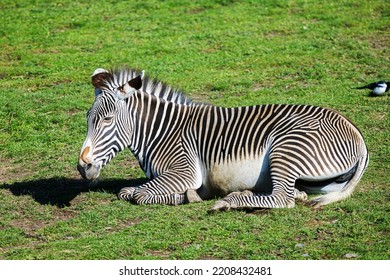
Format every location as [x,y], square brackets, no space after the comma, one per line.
[156,123]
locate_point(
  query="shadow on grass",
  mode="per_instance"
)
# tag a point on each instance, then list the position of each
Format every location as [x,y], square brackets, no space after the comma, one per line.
[60,191]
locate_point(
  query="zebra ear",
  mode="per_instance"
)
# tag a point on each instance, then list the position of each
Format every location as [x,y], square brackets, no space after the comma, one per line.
[130,87]
[137,81]
[99,78]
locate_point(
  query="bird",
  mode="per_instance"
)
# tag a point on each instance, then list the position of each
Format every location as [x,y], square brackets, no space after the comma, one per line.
[378,88]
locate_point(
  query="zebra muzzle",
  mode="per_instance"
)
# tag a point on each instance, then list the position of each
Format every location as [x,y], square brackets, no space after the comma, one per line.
[88,171]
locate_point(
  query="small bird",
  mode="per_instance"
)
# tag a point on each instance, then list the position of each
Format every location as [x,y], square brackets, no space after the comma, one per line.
[378,88]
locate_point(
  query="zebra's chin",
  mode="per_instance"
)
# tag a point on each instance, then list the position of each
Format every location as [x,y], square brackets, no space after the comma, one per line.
[89,171]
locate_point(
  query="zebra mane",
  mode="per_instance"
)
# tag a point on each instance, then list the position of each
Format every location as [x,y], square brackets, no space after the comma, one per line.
[121,75]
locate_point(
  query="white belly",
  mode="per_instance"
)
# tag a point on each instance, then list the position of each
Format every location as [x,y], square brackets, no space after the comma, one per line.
[237,175]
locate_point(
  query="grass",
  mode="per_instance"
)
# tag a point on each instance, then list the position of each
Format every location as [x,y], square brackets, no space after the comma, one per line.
[228,53]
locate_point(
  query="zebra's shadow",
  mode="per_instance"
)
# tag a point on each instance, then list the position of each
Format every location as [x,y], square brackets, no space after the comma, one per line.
[60,191]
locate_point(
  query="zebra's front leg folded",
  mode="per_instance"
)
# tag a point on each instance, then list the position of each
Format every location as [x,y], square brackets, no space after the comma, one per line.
[171,188]
[127,193]
[140,196]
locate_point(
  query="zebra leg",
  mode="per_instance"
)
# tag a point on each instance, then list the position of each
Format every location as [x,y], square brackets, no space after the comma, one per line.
[226,205]
[127,193]
[171,188]
[137,194]
[282,196]
[189,196]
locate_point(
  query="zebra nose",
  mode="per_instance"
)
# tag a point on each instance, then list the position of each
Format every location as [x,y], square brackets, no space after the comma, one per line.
[84,156]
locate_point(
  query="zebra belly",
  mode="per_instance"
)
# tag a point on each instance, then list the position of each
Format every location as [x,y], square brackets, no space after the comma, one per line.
[237,175]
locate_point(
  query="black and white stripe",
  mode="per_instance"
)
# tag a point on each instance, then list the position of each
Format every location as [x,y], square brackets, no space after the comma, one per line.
[254,156]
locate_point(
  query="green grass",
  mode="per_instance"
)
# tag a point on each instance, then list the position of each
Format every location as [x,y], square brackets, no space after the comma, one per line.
[229,53]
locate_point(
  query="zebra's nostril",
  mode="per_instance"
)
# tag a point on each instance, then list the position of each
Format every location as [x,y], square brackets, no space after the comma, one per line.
[88,171]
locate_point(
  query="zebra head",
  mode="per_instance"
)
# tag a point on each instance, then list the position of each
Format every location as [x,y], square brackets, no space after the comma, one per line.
[108,123]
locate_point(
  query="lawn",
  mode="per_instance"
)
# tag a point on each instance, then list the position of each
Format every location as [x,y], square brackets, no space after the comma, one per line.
[227,53]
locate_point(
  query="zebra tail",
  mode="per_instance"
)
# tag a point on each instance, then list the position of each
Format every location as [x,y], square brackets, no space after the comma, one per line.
[347,190]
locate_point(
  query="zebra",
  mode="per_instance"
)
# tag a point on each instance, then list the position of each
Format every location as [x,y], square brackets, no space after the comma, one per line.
[263,156]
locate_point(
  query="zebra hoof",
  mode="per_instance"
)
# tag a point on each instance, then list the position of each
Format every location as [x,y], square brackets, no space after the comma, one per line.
[220,205]
[301,196]
[126,193]
[192,196]
[314,203]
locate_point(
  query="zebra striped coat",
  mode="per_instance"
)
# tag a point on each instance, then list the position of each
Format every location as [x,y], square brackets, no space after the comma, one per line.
[263,156]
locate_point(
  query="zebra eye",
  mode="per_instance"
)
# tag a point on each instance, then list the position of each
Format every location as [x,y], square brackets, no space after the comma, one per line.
[108,119]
